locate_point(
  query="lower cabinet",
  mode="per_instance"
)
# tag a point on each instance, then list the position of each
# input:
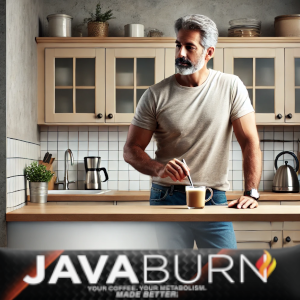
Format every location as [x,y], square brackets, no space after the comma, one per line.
[254,235]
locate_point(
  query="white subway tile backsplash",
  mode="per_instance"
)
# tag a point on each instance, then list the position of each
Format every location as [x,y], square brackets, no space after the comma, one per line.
[113,146]
[123,186]
[93,153]
[19,155]
[73,136]
[43,136]
[113,155]
[62,146]
[83,146]
[108,143]
[93,136]
[134,185]
[113,166]
[83,136]
[113,136]
[82,155]
[103,136]
[52,146]
[52,136]
[122,136]
[123,165]
[103,155]
[63,136]
[113,175]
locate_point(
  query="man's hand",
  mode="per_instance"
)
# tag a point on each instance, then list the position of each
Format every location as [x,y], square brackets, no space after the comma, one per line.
[243,202]
[175,169]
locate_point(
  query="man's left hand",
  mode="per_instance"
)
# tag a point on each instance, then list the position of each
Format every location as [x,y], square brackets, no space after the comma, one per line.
[243,202]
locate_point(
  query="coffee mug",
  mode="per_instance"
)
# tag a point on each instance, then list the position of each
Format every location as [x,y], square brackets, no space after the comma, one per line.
[195,196]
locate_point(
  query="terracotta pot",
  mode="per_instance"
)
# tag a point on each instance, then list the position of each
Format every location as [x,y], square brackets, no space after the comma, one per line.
[98,29]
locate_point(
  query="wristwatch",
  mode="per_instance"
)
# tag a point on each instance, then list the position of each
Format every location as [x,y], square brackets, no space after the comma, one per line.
[252,193]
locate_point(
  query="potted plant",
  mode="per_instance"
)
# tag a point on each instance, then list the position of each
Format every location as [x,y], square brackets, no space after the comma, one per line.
[97,23]
[38,177]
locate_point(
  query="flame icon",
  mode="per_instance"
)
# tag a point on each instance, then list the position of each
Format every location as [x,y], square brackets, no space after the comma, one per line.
[264,264]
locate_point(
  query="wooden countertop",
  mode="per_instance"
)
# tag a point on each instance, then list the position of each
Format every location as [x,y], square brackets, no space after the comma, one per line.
[72,212]
[144,195]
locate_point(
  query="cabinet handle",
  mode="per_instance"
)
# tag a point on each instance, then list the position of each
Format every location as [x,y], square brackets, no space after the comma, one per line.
[288,239]
[275,239]
[99,116]
[110,116]
[279,116]
[289,116]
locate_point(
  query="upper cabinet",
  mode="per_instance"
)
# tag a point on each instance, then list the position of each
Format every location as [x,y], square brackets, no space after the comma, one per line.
[262,72]
[100,80]
[129,72]
[292,84]
[75,85]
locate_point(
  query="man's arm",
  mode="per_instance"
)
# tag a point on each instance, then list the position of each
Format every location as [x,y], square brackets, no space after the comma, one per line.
[246,134]
[134,154]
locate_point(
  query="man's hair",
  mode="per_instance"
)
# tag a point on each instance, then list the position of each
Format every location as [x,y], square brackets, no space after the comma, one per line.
[207,28]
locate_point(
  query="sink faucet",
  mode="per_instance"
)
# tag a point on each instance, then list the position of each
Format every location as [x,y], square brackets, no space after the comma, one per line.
[66,176]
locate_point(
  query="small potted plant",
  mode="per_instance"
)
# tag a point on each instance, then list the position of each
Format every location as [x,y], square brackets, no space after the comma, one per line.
[38,177]
[97,23]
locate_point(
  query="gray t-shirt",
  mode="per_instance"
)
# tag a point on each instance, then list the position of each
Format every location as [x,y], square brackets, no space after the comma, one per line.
[194,123]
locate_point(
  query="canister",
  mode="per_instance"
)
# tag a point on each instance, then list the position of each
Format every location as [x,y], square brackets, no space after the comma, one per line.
[287,25]
[134,30]
[59,25]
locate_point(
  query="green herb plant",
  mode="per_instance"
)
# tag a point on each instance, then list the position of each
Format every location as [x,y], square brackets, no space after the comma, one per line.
[98,16]
[37,173]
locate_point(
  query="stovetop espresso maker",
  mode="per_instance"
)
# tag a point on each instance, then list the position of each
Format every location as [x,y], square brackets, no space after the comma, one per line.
[93,177]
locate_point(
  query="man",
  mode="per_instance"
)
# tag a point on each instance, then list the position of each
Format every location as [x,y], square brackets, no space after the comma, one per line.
[191,115]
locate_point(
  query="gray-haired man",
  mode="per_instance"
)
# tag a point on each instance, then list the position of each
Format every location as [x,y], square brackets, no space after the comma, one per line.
[191,115]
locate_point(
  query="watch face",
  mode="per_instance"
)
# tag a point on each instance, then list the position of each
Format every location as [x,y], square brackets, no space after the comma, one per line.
[254,193]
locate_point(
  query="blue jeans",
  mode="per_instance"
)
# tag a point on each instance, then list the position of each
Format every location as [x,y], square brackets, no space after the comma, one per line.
[181,235]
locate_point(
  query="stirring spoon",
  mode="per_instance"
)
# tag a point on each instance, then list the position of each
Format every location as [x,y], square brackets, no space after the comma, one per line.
[189,177]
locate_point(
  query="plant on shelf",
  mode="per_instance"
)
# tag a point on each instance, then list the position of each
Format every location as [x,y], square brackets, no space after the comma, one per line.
[97,23]
[37,173]
[38,177]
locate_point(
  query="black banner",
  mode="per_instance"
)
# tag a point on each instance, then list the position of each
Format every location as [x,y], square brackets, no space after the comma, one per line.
[162,274]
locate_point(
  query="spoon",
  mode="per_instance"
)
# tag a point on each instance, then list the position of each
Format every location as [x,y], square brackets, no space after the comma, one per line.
[188,175]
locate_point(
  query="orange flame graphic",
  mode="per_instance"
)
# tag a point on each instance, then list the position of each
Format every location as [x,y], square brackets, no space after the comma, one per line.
[262,264]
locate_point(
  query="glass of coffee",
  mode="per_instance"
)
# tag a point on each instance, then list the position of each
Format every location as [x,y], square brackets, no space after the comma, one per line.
[195,196]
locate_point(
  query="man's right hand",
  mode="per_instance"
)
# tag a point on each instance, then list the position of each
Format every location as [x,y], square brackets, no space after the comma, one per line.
[175,169]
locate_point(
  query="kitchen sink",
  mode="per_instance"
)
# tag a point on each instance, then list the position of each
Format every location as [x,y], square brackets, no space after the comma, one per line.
[76,192]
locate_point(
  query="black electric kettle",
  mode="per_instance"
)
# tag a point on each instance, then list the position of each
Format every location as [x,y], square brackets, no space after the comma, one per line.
[286,179]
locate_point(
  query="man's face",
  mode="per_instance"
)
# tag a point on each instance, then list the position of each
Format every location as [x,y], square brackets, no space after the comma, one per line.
[190,55]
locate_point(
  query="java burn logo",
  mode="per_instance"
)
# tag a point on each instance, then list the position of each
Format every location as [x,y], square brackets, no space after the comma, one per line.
[266,264]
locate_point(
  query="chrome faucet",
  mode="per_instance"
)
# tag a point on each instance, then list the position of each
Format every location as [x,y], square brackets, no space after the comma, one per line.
[66,176]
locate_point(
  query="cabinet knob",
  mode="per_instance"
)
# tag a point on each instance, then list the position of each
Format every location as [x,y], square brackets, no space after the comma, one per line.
[279,116]
[275,239]
[288,239]
[99,116]
[110,116]
[289,116]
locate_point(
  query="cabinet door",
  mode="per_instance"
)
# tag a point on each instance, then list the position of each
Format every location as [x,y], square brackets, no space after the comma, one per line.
[129,73]
[262,72]
[291,238]
[259,239]
[215,63]
[292,85]
[74,85]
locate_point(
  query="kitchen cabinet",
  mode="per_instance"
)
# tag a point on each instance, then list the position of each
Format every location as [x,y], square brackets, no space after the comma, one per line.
[262,72]
[129,73]
[292,85]
[118,70]
[74,85]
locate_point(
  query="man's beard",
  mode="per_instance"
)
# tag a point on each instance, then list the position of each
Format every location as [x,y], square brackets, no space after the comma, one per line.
[190,68]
